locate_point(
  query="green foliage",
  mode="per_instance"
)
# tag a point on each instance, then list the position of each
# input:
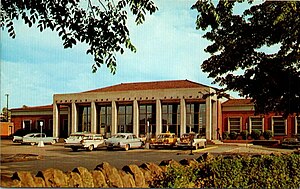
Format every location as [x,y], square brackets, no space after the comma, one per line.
[267,134]
[255,134]
[244,134]
[243,57]
[233,135]
[265,171]
[100,24]
[225,135]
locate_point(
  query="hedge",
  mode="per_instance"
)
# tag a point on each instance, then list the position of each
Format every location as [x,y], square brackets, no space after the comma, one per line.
[262,171]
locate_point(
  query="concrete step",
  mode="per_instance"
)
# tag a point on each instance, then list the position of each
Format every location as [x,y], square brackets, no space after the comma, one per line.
[216,142]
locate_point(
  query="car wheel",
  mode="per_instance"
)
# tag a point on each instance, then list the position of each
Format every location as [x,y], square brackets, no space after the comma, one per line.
[74,149]
[127,147]
[90,148]
[32,143]
[53,142]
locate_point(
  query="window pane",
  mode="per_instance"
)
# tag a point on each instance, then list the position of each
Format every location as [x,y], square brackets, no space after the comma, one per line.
[279,126]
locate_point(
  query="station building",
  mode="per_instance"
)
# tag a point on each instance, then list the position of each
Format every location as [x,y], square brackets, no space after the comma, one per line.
[151,108]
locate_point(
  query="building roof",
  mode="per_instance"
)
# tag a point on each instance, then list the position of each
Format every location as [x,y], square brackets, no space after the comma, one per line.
[150,86]
[238,102]
[32,108]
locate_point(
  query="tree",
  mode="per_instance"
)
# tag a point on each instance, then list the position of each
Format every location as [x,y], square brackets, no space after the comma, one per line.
[99,23]
[239,60]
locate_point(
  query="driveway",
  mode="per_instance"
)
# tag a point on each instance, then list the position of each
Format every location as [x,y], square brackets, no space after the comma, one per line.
[56,156]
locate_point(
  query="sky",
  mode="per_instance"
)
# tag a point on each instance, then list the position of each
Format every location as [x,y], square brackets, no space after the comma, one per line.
[34,65]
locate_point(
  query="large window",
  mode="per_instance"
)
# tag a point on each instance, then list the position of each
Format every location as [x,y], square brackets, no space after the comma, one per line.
[84,117]
[171,118]
[195,118]
[297,125]
[147,114]
[27,125]
[125,119]
[235,124]
[256,123]
[104,120]
[278,126]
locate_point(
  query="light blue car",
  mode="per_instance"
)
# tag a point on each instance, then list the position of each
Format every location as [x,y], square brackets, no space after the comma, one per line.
[124,141]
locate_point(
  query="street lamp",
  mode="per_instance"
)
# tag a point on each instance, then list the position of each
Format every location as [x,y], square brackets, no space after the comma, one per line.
[41,143]
[7,106]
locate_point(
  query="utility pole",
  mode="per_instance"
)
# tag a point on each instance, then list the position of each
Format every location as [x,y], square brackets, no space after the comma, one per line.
[7,106]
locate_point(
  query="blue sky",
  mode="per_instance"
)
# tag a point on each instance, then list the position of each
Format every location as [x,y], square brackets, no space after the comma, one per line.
[34,65]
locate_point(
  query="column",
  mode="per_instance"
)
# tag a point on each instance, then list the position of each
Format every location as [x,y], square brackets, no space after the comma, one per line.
[158,117]
[69,120]
[214,120]
[114,115]
[182,116]
[74,117]
[55,120]
[208,118]
[93,117]
[136,128]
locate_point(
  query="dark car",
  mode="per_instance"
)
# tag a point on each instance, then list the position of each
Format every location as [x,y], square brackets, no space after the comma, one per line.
[291,143]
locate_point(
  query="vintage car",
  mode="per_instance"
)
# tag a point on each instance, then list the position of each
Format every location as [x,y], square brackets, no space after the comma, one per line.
[164,140]
[35,138]
[84,140]
[192,139]
[125,141]
[291,142]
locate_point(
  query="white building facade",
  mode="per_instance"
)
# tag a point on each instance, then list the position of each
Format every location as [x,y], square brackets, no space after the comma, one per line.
[143,108]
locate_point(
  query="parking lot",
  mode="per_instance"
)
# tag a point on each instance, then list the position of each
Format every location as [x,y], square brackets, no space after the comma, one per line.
[56,156]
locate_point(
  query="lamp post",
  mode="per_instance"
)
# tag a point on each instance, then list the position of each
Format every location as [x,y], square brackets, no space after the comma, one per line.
[7,106]
[41,143]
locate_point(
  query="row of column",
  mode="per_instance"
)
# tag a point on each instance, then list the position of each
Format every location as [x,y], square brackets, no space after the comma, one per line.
[211,118]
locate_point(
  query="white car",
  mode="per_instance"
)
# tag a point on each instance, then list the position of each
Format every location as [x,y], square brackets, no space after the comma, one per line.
[125,141]
[35,138]
[192,139]
[83,140]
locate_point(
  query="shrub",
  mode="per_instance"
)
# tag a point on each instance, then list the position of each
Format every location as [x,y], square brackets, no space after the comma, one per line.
[233,135]
[255,134]
[244,134]
[225,135]
[267,134]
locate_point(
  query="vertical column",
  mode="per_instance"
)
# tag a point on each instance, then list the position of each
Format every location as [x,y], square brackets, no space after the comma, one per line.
[214,120]
[55,120]
[208,118]
[136,128]
[114,115]
[74,117]
[93,117]
[182,116]
[69,120]
[158,117]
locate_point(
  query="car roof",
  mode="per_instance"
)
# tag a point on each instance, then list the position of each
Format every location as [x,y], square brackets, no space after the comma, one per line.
[126,134]
[84,133]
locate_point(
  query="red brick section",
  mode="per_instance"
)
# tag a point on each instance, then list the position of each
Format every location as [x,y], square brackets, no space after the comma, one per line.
[150,86]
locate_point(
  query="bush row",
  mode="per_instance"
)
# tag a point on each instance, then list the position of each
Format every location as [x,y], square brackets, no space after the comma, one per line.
[263,171]
[255,134]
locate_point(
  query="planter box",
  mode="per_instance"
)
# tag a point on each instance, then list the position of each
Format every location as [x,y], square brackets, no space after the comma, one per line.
[266,142]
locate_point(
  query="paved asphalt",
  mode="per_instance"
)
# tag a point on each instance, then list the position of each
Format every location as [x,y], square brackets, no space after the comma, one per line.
[56,156]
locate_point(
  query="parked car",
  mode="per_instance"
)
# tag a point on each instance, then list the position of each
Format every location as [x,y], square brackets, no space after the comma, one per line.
[18,135]
[17,139]
[191,140]
[124,141]
[35,138]
[164,140]
[290,142]
[83,140]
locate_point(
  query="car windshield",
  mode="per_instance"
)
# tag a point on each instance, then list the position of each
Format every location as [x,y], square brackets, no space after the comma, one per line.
[28,135]
[75,137]
[119,136]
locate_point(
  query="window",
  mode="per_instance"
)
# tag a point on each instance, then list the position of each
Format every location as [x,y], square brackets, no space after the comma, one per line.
[147,113]
[195,118]
[278,126]
[297,125]
[234,124]
[256,123]
[84,123]
[125,119]
[27,125]
[171,118]
[104,120]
